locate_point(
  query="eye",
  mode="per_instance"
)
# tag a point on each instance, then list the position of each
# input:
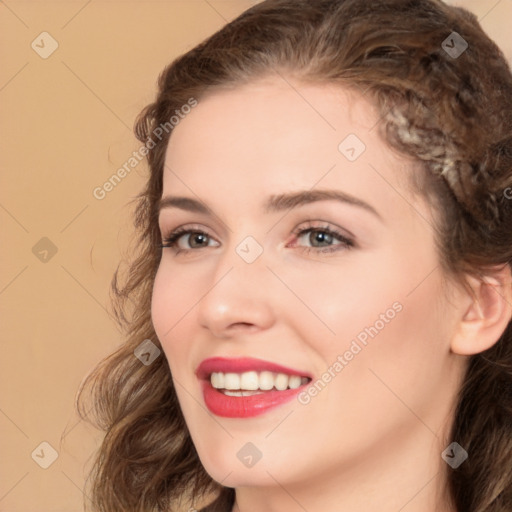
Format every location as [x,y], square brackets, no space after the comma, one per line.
[196,239]
[322,238]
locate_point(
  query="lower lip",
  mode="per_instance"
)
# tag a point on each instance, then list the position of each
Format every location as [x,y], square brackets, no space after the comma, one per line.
[245,406]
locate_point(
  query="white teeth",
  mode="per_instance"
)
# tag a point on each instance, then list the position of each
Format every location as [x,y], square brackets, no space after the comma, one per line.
[241,393]
[254,381]
[249,380]
[232,381]
[266,381]
[217,380]
[281,381]
[295,381]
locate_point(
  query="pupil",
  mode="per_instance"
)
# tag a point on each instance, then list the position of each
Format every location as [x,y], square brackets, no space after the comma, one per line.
[322,237]
[196,237]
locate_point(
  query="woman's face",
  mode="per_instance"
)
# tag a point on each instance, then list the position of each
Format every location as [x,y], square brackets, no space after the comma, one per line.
[314,255]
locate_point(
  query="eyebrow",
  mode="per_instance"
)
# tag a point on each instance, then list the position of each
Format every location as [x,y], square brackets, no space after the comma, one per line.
[275,203]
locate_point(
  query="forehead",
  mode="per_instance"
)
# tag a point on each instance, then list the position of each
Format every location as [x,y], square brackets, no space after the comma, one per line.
[277,135]
[274,110]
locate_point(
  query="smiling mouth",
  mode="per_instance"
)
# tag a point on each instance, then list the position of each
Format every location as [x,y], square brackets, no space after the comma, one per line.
[247,403]
[254,383]
[244,387]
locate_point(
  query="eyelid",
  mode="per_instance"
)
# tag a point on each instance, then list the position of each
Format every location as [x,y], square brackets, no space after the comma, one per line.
[321,225]
[175,234]
[345,241]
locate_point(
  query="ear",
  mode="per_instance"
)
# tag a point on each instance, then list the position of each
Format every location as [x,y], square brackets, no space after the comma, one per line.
[486,312]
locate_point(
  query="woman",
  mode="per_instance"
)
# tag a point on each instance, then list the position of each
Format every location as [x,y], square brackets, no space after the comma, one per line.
[322,299]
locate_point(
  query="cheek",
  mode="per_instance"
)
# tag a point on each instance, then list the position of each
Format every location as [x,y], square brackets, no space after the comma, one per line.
[173,296]
[332,303]
[388,323]
[162,305]
[175,292]
[401,367]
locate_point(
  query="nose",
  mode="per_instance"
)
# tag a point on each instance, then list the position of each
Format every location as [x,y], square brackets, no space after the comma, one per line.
[240,297]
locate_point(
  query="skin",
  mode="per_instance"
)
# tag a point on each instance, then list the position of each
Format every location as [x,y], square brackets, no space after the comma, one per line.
[371,439]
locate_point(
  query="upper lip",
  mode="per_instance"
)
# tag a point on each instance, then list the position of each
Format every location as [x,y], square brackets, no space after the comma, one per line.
[241,365]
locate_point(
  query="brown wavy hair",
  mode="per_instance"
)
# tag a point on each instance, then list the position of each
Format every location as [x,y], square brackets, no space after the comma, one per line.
[452,114]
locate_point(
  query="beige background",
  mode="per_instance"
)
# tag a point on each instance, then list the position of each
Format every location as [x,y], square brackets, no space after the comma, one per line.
[65,129]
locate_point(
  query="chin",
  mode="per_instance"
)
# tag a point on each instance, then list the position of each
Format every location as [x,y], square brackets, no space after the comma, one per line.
[233,472]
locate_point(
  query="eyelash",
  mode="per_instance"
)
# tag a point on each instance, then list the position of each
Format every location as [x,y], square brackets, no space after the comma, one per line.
[346,243]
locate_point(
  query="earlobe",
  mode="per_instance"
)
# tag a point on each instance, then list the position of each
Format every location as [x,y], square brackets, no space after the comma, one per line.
[489,311]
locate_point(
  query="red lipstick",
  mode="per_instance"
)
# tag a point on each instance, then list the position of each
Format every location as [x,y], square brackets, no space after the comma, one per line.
[244,406]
